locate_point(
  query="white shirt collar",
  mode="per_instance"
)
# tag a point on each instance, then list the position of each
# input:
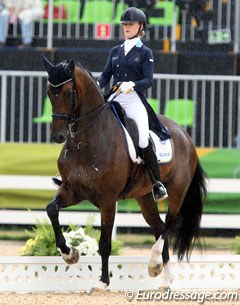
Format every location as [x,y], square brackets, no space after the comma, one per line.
[129,44]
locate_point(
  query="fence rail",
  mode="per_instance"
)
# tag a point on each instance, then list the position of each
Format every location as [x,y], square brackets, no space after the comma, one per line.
[44,274]
[213,120]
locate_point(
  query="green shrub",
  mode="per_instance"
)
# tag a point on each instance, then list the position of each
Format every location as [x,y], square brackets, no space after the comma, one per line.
[42,241]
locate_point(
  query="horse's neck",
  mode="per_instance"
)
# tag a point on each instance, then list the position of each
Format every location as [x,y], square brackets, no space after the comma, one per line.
[90,96]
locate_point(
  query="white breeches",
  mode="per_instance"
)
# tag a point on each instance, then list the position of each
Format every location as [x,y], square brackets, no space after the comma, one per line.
[135,110]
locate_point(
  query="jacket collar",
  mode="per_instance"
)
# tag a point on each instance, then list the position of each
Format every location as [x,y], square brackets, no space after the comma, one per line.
[131,52]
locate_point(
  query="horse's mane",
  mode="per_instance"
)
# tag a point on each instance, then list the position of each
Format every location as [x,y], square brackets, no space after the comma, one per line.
[89,73]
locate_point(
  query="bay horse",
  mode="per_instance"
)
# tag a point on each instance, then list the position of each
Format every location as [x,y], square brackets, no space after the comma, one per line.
[95,165]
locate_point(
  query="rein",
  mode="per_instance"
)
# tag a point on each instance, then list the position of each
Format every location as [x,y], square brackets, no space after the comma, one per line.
[71,117]
[101,111]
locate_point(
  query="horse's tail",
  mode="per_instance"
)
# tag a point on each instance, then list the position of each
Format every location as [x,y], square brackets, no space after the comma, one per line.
[188,227]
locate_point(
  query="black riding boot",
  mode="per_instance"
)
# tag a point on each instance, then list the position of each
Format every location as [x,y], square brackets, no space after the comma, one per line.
[158,190]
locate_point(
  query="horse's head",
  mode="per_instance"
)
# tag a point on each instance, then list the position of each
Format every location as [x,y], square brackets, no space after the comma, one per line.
[74,96]
[61,90]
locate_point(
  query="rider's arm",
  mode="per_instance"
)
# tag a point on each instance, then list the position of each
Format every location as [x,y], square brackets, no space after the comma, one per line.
[147,70]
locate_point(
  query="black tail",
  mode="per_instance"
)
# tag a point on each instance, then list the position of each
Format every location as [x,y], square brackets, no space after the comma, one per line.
[190,214]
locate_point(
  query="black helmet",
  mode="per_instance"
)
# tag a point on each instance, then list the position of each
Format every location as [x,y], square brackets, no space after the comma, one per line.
[133,14]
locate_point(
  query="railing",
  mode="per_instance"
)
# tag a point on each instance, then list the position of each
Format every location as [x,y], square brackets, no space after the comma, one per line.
[73,20]
[213,120]
[130,273]
[219,16]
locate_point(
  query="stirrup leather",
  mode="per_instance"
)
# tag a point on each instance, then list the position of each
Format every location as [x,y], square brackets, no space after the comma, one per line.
[157,193]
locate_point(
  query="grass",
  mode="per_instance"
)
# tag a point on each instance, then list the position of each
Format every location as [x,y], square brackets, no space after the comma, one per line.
[222,163]
[29,159]
[37,199]
[129,239]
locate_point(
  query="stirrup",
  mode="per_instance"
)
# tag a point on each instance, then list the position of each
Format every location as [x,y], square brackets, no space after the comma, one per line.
[159,191]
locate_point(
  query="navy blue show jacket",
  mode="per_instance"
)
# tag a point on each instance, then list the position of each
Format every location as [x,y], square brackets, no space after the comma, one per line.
[137,66]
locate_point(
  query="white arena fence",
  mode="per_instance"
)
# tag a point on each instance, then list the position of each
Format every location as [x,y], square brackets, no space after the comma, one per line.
[48,274]
[214,121]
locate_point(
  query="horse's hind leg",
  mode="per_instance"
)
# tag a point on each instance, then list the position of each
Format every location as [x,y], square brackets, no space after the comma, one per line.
[70,255]
[151,215]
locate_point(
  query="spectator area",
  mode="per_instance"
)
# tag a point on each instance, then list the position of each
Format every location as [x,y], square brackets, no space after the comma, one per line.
[105,11]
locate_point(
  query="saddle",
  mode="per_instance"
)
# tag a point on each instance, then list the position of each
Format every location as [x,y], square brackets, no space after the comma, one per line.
[162,148]
[128,123]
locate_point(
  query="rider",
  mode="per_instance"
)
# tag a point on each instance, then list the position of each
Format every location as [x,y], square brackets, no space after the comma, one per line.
[132,64]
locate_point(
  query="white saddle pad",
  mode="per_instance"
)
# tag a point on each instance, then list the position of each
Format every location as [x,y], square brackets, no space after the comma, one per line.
[164,149]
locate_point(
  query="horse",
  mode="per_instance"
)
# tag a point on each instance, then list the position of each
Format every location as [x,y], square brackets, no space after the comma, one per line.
[94,165]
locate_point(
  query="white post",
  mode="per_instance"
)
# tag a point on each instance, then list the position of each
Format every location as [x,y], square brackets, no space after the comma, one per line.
[50,25]
[173,32]
[3,108]
[237,25]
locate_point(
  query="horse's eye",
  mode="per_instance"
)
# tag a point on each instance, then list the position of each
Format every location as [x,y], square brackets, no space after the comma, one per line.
[55,90]
[67,94]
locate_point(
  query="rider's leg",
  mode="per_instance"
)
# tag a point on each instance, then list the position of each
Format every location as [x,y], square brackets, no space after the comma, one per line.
[151,163]
[135,110]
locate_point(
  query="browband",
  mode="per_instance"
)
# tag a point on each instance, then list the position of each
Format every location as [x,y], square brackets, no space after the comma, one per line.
[58,85]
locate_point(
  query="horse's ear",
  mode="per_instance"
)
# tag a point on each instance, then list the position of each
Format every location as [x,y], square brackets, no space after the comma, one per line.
[69,69]
[47,64]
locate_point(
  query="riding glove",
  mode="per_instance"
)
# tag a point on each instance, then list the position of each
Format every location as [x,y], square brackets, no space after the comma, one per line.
[127,87]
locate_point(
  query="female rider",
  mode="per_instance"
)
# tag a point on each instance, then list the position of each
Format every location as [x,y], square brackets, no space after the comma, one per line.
[132,64]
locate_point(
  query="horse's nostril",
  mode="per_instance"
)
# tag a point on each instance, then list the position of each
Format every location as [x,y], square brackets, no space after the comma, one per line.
[61,138]
[58,138]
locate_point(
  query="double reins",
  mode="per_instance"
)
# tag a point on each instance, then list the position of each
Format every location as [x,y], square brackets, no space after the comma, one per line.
[71,118]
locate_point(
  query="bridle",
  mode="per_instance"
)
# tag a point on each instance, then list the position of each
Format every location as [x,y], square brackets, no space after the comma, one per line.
[71,118]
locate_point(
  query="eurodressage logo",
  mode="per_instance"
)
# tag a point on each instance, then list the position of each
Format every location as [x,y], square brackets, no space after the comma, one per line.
[169,295]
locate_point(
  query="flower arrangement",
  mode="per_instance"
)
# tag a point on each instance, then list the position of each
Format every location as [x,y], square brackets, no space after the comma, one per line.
[85,244]
[42,240]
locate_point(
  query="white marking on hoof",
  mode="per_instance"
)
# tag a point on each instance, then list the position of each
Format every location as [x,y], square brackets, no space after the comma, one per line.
[168,277]
[99,286]
[155,265]
[72,257]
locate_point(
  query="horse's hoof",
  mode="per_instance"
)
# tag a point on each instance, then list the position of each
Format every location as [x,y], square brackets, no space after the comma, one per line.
[166,283]
[98,287]
[72,257]
[155,270]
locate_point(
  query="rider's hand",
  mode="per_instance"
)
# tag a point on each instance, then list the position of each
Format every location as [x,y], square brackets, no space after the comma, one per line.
[127,87]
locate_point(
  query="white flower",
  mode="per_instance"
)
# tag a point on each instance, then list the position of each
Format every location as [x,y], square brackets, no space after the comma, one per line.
[85,244]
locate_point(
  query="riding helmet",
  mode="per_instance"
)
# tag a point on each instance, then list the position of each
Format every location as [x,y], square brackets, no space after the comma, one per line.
[133,14]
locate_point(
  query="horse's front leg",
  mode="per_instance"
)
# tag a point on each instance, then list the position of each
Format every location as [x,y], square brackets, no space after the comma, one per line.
[105,242]
[70,255]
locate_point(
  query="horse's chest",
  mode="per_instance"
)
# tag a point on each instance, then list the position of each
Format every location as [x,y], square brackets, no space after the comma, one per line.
[78,168]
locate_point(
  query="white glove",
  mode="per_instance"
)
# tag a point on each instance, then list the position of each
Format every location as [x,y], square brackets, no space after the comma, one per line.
[127,87]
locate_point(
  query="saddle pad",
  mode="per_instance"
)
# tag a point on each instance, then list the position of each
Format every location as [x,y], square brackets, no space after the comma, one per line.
[164,149]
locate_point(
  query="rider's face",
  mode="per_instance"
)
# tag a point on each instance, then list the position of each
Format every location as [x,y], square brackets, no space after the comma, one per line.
[130,29]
